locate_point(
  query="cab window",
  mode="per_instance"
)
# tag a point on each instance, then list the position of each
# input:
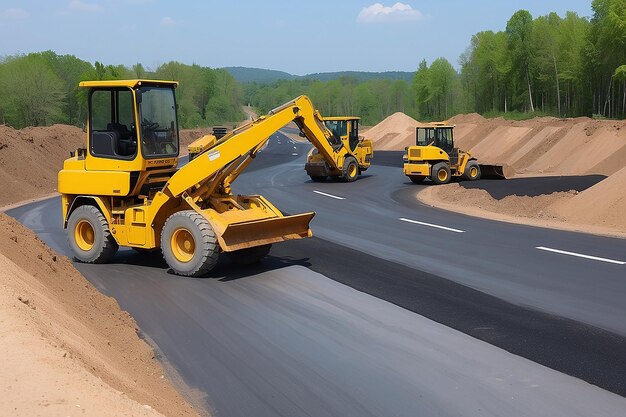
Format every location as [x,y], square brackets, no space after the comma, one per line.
[338,128]
[159,129]
[111,124]
[425,136]
[444,139]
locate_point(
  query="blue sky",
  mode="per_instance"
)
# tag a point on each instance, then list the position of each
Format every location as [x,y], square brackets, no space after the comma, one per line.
[294,36]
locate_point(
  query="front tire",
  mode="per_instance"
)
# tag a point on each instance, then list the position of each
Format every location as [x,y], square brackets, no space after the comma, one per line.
[89,236]
[249,256]
[318,178]
[472,171]
[350,169]
[189,244]
[440,173]
[417,179]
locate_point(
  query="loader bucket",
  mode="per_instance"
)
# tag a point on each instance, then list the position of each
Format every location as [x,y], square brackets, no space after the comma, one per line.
[262,232]
[494,172]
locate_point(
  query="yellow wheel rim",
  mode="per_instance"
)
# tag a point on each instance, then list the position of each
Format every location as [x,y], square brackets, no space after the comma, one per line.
[85,235]
[352,170]
[442,175]
[473,172]
[183,245]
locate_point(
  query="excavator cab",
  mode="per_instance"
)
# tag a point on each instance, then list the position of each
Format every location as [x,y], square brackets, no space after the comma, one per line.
[131,127]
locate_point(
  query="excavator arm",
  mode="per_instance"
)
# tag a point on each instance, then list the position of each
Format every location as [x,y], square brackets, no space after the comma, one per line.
[232,153]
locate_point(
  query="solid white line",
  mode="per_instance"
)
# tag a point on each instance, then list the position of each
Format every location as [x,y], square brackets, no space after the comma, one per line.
[294,154]
[328,195]
[580,255]
[436,226]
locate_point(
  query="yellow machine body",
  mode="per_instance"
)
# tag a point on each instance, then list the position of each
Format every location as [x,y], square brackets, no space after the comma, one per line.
[343,146]
[435,157]
[125,185]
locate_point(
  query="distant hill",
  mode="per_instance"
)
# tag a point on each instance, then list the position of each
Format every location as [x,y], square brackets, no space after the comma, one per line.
[258,75]
[264,76]
[362,75]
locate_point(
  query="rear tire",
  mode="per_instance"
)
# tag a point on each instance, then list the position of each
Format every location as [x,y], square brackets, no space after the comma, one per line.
[417,179]
[249,256]
[318,178]
[350,169]
[189,244]
[472,171]
[440,173]
[89,236]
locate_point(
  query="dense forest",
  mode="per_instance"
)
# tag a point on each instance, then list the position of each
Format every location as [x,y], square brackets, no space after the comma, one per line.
[42,88]
[550,65]
[564,66]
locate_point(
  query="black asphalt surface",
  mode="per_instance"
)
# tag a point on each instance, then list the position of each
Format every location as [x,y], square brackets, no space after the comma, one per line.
[489,282]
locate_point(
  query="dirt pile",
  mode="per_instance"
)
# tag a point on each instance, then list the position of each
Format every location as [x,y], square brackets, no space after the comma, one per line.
[541,146]
[394,133]
[30,159]
[83,352]
[604,204]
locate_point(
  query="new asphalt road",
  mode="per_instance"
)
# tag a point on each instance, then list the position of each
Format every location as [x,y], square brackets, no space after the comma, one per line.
[394,308]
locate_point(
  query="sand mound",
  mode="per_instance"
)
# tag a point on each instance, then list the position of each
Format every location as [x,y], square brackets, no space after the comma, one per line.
[477,201]
[82,349]
[603,204]
[541,146]
[394,133]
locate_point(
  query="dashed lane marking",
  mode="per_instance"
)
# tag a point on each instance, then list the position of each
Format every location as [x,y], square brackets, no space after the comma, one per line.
[328,195]
[436,226]
[581,255]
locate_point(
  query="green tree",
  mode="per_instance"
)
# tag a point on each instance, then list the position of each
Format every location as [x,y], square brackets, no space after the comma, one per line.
[31,94]
[519,31]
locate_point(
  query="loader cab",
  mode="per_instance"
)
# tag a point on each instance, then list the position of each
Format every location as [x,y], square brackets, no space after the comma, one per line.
[132,125]
[344,130]
[441,137]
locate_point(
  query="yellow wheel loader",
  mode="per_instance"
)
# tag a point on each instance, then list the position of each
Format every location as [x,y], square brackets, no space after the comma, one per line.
[125,187]
[435,157]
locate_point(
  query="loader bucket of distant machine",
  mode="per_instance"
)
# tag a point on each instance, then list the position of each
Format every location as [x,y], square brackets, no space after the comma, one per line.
[493,172]
[252,233]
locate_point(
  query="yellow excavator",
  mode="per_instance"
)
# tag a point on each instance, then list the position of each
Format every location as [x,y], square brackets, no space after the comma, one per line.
[351,154]
[435,157]
[125,188]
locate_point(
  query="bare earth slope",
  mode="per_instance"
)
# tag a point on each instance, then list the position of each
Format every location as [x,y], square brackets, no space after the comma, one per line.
[67,343]
[30,159]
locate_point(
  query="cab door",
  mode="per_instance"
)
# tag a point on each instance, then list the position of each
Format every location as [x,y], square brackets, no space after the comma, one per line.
[111,131]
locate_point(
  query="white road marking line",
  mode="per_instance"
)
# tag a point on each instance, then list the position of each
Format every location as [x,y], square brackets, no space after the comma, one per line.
[294,154]
[436,226]
[580,255]
[328,195]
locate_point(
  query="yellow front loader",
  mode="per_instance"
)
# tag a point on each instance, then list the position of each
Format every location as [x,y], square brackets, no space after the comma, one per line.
[435,157]
[125,188]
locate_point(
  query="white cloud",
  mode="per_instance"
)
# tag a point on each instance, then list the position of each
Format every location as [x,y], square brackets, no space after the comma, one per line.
[168,21]
[399,12]
[81,6]
[15,14]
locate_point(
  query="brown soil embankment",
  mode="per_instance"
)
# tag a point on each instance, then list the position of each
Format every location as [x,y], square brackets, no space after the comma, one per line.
[539,147]
[66,348]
